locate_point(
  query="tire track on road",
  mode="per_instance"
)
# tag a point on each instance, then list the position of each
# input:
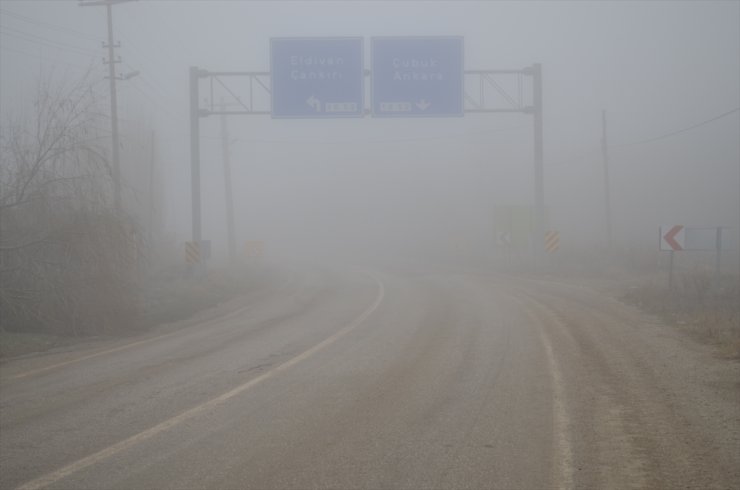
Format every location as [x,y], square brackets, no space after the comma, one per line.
[562,434]
[215,321]
[140,437]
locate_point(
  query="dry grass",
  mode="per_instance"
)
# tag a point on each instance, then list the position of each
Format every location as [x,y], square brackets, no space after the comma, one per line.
[166,297]
[174,295]
[709,312]
[17,344]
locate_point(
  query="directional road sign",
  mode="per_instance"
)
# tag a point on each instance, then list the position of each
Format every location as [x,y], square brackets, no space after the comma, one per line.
[417,76]
[317,77]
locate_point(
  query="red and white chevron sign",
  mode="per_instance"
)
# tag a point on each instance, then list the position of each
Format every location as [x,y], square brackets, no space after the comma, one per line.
[552,241]
[672,237]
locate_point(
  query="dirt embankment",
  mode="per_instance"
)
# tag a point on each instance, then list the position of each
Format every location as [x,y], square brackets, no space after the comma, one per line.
[165,297]
[696,302]
[696,305]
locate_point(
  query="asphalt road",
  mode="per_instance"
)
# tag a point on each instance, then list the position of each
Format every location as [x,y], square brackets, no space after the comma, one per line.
[342,378]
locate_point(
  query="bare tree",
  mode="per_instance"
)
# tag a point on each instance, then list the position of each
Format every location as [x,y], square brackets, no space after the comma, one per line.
[65,255]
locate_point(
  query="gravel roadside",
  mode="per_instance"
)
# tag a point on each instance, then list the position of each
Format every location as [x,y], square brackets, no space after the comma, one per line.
[653,408]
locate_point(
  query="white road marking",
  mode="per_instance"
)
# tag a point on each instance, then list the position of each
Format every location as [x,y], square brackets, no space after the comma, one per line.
[561,420]
[94,458]
[89,356]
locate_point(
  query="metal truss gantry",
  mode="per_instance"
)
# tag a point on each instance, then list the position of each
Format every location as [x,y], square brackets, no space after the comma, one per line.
[485,91]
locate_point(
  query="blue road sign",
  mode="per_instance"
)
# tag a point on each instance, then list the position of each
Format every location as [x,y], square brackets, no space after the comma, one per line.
[417,76]
[317,77]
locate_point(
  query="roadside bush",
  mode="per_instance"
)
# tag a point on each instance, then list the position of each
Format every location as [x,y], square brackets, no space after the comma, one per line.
[67,259]
[707,311]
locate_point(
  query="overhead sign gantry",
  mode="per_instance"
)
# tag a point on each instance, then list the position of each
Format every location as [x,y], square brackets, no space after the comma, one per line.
[410,77]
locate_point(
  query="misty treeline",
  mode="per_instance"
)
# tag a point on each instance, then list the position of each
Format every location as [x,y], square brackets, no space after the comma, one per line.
[68,259]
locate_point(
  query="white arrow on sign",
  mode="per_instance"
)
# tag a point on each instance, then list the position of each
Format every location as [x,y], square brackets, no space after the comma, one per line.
[504,238]
[423,104]
[314,102]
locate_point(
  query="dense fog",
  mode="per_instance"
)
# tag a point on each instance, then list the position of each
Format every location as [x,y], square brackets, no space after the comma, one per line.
[299,244]
[372,187]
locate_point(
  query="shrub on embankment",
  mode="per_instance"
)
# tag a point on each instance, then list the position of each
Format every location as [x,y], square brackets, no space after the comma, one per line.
[698,305]
[69,258]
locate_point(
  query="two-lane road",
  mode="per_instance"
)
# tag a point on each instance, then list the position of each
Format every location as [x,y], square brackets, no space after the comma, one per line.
[334,378]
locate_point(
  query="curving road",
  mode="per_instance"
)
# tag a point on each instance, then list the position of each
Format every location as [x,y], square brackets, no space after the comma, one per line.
[342,378]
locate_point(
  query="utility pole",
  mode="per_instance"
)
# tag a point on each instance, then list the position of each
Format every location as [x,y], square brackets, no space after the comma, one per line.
[152,207]
[112,77]
[539,178]
[607,192]
[227,186]
[195,75]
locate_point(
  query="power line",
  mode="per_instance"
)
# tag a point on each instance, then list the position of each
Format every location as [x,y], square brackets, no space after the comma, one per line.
[132,43]
[573,158]
[40,57]
[679,131]
[25,36]
[48,25]
[112,77]
[151,98]
[165,43]
[647,140]
[143,75]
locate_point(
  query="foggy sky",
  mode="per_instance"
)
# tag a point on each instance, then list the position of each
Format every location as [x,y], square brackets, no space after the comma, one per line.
[655,67]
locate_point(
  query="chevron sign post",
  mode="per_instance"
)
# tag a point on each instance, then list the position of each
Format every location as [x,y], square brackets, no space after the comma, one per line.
[197,252]
[192,252]
[552,241]
[672,238]
[678,238]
